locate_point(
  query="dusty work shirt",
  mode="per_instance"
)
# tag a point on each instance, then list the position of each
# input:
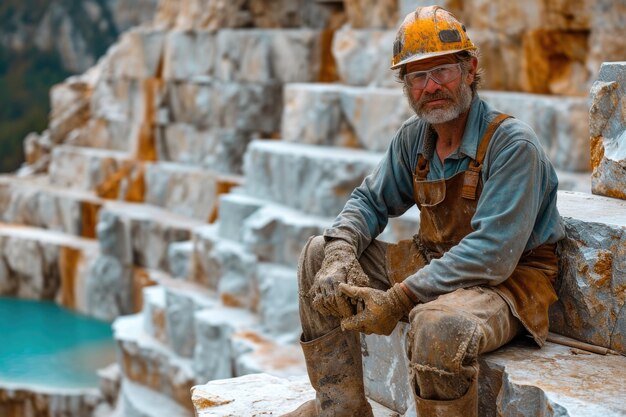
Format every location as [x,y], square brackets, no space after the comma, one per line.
[516,211]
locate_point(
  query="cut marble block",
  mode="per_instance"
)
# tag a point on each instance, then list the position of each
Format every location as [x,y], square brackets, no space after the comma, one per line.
[337,115]
[607,118]
[136,55]
[139,401]
[182,301]
[244,106]
[278,304]
[592,279]
[186,190]
[188,54]
[43,264]
[255,353]
[48,401]
[258,394]
[110,288]
[219,149]
[70,108]
[579,182]
[261,55]
[180,258]
[561,123]
[235,208]
[31,202]
[225,266]
[363,57]
[277,234]
[372,13]
[147,362]
[139,234]
[153,313]
[316,180]
[111,174]
[518,380]
[213,356]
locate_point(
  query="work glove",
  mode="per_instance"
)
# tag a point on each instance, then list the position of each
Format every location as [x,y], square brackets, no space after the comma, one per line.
[381,310]
[340,265]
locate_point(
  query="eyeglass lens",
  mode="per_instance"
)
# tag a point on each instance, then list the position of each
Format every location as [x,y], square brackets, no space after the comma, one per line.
[441,75]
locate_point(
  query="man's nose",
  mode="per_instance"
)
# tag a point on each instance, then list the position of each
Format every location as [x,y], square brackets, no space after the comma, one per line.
[431,85]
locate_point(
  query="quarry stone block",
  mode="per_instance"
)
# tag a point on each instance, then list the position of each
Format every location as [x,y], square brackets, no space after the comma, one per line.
[363,56]
[52,402]
[258,394]
[218,149]
[102,133]
[559,122]
[592,282]
[234,209]
[278,304]
[147,362]
[181,304]
[179,258]
[213,356]
[256,353]
[153,313]
[109,288]
[135,56]
[316,180]
[277,234]
[372,14]
[140,401]
[226,267]
[607,18]
[189,54]
[264,56]
[69,108]
[144,233]
[607,118]
[188,191]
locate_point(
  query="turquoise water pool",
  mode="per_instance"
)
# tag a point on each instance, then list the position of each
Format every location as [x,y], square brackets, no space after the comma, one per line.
[44,344]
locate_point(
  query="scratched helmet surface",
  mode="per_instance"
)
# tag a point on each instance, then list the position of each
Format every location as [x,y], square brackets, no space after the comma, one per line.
[427,32]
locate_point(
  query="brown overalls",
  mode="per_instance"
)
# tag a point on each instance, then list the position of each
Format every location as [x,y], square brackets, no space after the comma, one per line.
[447,334]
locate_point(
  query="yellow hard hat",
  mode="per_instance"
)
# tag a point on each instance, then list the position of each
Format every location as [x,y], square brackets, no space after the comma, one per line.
[427,32]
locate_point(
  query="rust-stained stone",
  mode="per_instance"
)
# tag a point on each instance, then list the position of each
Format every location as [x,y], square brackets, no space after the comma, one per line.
[607,119]
[21,401]
[376,14]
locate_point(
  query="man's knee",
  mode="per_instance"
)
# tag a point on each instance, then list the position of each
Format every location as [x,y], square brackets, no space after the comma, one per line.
[442,340]
[311,259]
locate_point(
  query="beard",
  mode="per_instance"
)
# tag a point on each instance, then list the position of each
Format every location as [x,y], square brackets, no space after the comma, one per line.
[461,99]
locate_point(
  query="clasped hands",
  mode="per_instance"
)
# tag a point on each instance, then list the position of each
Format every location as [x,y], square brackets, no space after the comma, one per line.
[340,285]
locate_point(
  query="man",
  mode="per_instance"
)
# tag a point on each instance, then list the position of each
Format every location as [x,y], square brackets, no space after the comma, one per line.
[480,270]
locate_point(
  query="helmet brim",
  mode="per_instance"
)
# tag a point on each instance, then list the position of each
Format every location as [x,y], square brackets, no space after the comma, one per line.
[421,57]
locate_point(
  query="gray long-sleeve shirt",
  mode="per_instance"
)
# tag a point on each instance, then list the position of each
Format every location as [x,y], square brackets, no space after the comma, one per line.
[516,210]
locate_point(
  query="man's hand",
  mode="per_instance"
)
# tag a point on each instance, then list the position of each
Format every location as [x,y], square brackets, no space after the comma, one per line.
[382,309]
[339,266]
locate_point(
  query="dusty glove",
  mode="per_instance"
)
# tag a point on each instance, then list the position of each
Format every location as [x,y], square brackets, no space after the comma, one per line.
[381,311]
[340,265]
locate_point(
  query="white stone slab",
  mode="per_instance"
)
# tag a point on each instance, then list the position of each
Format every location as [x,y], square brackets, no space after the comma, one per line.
[139,401]
[136,55]
[256,353]
[258,394]
[278,304]
[188,54]
[153,312]
[316,180]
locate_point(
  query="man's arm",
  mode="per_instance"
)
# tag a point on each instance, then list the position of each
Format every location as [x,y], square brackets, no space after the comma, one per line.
[386,192]
[517,180]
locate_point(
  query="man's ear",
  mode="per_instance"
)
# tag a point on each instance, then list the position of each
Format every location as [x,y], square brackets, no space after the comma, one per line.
[472,71]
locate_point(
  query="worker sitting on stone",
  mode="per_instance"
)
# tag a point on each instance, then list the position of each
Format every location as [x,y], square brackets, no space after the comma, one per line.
[482,267]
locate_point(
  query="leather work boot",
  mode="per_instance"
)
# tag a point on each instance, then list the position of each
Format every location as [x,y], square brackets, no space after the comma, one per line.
[335,370]
[466,406]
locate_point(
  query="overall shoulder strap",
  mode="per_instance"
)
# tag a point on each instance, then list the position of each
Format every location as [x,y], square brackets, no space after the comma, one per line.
[472,174]
[422,168]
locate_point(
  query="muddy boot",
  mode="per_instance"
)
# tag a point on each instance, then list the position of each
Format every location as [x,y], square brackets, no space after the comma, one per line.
[333,362]
[466,406]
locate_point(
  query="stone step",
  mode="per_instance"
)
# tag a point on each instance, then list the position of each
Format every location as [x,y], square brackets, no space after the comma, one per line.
[139,401]
[187,190]
[48,401]
[214,356]
[258,394]
[147,362]
[517,380]
[591,286]
[368,118]
[153,313]
[140,234]
[608,137]
[316,180]
[278,302]
[256,353]
[44,264]
[33,202]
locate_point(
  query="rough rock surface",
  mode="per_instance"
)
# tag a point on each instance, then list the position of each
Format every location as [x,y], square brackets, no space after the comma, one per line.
[15,399]
[607,118]
[592,281]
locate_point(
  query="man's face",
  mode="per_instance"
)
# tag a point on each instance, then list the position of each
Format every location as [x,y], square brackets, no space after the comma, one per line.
[439,103]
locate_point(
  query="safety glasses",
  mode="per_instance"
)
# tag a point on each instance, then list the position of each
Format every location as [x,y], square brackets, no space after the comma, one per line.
[441,75]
